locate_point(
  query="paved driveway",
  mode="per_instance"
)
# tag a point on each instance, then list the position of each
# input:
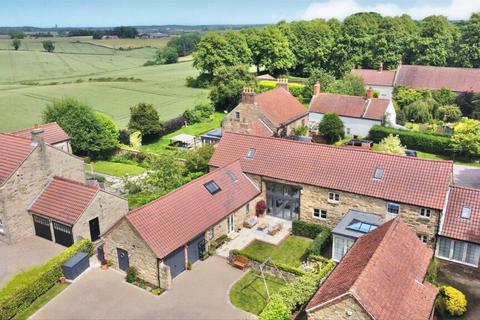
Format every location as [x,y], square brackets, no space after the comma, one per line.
[466,176]
[198,294]
[25,254]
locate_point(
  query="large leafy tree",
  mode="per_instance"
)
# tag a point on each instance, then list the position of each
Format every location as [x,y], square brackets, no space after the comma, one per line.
[277,57]
[91,133]
[392,144]
[48,45]
[466,137]
[185,43]
[331,128]
[228,84]
[144,118]
[468,49]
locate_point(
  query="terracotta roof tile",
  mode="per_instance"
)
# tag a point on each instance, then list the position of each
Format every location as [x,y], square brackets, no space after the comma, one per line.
[178,217]
[453,225]
[405,179]
[52,134]
[349,106]
[280,105]
[13,150]
[64,200]
[384,272]
[457,79]
[374,77]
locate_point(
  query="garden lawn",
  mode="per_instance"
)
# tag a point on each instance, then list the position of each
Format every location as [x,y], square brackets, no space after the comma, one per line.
[117,169]
[289,252]
[160,146]
[249,293]
[41,301]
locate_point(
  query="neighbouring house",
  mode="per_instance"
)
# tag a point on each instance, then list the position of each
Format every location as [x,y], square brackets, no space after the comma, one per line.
[266,77]
[353,225]
[459,233]
[53,134]
[379,80]
[321,183]
[274,112]
[34,178]
[212,136]
[163,237]
[358,114]
[381,277]
[421,77]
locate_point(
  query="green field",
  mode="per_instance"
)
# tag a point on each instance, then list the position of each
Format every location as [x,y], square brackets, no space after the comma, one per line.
[51,76]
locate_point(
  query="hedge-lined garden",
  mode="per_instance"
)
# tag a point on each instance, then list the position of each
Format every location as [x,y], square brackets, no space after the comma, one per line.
[22,290]
[321,236]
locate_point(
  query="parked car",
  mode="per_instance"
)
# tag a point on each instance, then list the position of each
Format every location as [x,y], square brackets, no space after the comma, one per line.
[410,153]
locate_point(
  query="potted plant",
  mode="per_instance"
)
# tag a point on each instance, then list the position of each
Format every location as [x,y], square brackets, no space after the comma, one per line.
[189,265]
[260,208]
[104,264]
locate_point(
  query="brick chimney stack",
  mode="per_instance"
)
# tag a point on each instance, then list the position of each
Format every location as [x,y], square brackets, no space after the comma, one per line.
[248,95]
[370,93]
[37,137]
[316,89]
[282,83]
[380,67]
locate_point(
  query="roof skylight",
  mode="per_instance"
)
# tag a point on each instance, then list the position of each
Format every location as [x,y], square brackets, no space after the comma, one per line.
[232,176]
[378,173]
[466,212]
[250,153]
[360,226]
[212,187]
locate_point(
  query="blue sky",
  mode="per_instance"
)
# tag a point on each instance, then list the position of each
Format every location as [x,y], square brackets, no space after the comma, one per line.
[76,13]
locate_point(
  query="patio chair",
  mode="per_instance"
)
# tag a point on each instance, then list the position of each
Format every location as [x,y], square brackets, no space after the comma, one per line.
[273,229]
[250,222]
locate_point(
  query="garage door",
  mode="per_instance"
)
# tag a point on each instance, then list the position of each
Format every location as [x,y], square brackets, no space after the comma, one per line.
[63,234]
[42,227]
[176,262]
[194,248]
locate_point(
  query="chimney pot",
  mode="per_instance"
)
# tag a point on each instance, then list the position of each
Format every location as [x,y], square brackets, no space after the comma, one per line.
[370,93]
[282,83]
[380,67]
[316,88]
[37,136]
[248,95]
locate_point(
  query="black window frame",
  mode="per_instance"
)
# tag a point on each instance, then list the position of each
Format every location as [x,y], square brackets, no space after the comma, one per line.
[214,184]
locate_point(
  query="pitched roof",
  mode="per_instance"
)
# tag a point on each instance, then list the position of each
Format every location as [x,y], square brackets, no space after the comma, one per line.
[13,150]
[266,77]
[454,226]
[375,77]
[279,105]
[457,79]
[259,128]
[64,200]
[349,106]
[405,179]
[178,217]
[52,133]
[384,272]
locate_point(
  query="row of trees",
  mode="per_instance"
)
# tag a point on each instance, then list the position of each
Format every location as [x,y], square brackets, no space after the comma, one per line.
[363,39]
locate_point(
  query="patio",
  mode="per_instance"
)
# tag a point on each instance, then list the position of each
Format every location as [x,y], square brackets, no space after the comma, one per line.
[242,239]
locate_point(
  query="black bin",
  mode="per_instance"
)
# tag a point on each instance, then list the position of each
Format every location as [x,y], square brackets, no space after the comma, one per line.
[76,265]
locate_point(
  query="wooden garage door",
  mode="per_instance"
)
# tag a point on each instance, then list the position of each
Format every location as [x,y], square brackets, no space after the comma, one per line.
[176,262]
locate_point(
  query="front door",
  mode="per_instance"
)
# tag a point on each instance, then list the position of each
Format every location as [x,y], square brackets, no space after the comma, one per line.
[123,262]
[94,229]
[42,227]
[230,223]
[63,234]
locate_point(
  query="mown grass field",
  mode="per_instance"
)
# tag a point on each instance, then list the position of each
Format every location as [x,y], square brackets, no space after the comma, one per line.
[127,43]
[57,74]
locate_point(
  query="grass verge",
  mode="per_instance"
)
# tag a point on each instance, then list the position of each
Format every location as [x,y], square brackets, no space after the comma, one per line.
[117,169]
[41,301]
[249,293]
[289,252]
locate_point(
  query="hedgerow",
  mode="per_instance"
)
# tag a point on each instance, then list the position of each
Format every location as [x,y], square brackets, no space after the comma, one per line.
[281,266]
[320,242]
[306,229]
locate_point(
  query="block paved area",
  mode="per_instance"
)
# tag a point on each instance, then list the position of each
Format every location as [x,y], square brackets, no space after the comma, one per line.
[201,293]
[25,254]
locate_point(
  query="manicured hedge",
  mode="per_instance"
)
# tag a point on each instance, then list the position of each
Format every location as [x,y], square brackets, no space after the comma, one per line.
[306,229]
[320,242]
[425,142]
[296,89]
[20,292]
[281,266]
[173,124]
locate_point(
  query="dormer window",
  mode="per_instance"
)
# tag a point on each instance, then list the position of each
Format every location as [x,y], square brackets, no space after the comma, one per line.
[212,187]
[250,153]
[378,173]
[466,212]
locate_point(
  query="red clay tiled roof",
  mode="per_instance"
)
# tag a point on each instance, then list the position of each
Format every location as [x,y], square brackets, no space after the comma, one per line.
[453,225]
[279,105]
[384,272]
[374,77]
[13,151]
[405,179]
[178,217]
[52,134]
[259,128]
[64,200]
[349,106]
[457,79]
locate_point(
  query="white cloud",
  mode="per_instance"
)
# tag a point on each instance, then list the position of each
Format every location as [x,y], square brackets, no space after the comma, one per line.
[455,10]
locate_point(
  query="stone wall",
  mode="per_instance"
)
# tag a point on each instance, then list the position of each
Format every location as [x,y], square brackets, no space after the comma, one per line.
[19,192]
[303,121]
[107,207]
[125,237]
[346,308]
[248,114]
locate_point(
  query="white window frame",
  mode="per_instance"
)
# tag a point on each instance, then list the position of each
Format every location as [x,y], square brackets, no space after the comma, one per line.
[469,212]
[423,213]
[450,254]
[247,208]
[333,197]
[423,238]
[378,173]
[393,204]
[320,212]
[211,233]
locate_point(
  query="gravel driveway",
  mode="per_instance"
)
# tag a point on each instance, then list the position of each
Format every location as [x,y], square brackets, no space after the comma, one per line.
[198,294]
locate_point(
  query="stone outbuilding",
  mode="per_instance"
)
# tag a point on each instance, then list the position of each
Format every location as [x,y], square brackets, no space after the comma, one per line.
[53,134]
[162,238]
